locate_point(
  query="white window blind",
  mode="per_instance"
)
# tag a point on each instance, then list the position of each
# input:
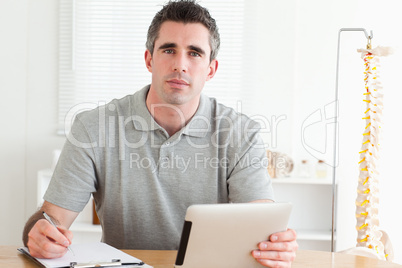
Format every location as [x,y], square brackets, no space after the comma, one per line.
[102,45]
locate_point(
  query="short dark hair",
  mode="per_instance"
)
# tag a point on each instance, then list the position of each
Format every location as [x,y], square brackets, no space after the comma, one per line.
[185,11]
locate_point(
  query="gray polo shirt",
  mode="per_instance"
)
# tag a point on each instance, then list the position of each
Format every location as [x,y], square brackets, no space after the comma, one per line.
[143,180]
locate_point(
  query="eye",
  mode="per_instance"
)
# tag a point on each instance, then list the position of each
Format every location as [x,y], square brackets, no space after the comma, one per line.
[168,51]
[195,54]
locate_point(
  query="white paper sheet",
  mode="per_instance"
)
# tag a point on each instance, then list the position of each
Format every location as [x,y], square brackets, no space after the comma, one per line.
[92,253]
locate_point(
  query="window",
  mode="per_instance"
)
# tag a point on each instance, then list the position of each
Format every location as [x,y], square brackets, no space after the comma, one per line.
[102,45]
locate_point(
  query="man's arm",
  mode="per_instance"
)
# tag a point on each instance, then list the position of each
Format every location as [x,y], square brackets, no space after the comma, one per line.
[279,250]
[42,239]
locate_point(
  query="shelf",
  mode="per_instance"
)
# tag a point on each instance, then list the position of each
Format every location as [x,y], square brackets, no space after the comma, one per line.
[296,180]
[314,235]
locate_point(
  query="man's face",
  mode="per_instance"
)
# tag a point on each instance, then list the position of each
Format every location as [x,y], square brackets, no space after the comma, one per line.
[180,64]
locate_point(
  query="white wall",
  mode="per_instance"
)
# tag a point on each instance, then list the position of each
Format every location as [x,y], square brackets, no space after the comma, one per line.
[13,79]
[41,118]
[28,83]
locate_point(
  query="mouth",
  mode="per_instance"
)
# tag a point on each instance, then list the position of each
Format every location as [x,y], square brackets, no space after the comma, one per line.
[178,83]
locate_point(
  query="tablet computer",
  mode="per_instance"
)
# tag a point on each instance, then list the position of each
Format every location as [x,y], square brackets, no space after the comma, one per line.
[223,235]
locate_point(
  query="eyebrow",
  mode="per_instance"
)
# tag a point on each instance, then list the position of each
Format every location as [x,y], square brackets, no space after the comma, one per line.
[167,45]
[197,49]
[190,47]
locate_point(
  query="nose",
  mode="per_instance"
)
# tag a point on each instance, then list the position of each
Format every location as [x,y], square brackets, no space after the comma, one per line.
[180,63]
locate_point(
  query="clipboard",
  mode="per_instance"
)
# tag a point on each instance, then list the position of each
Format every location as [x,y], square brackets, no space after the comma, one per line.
[89,255]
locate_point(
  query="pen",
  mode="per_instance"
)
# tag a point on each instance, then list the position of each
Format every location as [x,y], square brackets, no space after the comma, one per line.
[52,223]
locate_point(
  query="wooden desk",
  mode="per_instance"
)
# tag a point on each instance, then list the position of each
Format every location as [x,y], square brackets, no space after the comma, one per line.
[11,258]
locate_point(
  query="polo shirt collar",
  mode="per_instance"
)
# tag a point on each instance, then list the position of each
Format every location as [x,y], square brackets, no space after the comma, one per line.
[142,118]
[198,126]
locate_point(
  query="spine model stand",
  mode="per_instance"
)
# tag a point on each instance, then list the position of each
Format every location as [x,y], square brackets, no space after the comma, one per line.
[367,200]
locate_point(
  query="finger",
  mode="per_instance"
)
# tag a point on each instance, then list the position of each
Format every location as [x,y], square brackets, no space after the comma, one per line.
[41,247]
[284,256]
[278,246]
[67,233]
[53,233]
[276,264]
[288,235]
[46,250]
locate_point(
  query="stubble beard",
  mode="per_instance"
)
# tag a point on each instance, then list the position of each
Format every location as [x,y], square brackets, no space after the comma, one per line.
[177,96]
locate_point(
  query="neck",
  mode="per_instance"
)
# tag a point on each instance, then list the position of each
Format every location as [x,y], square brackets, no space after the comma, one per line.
[171,117]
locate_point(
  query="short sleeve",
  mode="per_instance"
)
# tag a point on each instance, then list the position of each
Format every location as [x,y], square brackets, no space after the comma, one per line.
[249,180]
[74,177]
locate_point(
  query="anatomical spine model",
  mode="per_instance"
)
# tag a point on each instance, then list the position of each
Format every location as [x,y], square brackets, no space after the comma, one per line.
[367,200]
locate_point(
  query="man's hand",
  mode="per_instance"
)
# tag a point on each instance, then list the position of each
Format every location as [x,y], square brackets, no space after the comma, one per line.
[46,241]
[278,251]
[42,238]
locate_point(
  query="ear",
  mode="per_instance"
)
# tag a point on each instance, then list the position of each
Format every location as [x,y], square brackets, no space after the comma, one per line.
[148,60]
[213,67]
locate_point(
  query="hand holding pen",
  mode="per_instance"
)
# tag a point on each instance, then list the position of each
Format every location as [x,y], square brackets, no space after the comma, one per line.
[52,223]
[44,240]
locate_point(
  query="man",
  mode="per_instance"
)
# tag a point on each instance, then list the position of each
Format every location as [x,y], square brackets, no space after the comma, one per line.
[148,156]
